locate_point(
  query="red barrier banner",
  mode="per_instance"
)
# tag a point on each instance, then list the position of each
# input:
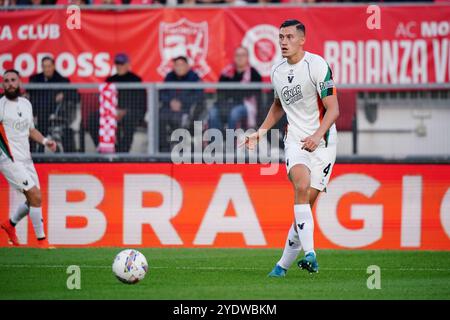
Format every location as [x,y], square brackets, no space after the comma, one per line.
[388,45]
[367,206]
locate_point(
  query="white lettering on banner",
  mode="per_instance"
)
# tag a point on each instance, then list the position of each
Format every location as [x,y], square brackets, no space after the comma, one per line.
[101,63]
[373,66]
[445,212]
[406,46]
[404,30]
[38,32]
[348,61]
[230,189]
[411,211]
[435,29]
[85,67]
[158,218]
[86,64]
[441,59]
[65,64]
[24,64]
[5,33]
[388,61]
[59,209]
[419,62]
[372,215]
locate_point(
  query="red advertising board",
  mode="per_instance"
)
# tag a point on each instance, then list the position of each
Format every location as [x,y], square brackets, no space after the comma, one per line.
[367,206]
[395,45]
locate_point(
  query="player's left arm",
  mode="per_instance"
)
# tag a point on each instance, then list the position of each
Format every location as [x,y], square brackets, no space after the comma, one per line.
[332,113]
[37,136]
[327,92]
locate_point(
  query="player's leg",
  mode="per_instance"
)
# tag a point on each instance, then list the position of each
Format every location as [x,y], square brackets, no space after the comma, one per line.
[20,213]
[297,165]
[16,176]
[309,262]
[322,164]
[34,198]
[301,180]
[299,176]
[291,250]
[292,246]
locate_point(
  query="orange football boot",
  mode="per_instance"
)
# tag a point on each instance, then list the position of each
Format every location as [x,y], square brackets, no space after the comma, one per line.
[11,231]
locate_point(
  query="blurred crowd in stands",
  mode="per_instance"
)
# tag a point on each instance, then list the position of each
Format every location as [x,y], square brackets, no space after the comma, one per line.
[4,3]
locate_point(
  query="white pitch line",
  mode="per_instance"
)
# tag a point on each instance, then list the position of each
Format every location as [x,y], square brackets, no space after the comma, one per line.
[215,268]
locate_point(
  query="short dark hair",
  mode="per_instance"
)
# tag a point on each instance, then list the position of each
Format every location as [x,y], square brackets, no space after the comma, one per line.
[293,22]
[181,58]
[11,71]
[48,58]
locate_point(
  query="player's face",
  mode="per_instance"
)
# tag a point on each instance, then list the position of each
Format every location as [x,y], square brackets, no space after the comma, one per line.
[291,40]
[11,85]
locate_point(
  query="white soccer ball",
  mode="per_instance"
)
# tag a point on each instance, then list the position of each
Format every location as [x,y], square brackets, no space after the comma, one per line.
[130,266]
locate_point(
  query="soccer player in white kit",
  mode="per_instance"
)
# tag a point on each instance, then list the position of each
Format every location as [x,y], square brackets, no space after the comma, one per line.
[305,92]
[16,165]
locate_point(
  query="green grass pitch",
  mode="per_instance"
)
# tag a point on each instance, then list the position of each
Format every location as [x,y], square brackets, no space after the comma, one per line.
[224,274]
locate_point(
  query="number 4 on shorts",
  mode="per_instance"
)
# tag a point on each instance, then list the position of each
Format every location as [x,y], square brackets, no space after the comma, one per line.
[327,169]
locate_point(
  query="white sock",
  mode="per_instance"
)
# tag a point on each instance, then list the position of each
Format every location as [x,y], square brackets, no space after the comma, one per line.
[20,213]
[305,226]
[37,221]
[291,249]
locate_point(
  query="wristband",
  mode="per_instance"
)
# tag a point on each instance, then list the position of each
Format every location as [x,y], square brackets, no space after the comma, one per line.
[44,142]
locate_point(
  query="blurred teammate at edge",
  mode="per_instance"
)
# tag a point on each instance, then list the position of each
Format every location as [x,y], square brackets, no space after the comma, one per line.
[16,165]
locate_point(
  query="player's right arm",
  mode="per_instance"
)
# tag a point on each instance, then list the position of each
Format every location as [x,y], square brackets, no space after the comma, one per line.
[274,115]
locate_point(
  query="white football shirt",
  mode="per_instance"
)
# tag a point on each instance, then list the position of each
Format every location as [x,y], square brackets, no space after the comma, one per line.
[301,88]
[16,120]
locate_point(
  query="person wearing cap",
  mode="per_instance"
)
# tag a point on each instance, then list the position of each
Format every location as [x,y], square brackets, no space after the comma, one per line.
[131,103]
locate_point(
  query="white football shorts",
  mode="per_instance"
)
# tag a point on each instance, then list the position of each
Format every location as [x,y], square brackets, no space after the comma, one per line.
[320,162]
[20,175]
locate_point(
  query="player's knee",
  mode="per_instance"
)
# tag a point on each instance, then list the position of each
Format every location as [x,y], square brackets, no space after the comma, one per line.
[35,198]
[301,186]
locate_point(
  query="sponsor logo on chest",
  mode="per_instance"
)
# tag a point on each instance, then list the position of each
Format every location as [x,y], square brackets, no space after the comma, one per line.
[291,95]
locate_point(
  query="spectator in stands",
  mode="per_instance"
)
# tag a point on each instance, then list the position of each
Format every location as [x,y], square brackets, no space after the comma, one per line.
[80,2]
[239,107]
[179,107]
[55,109]
[6,3]
[265,1]
[131,103]
[35,2]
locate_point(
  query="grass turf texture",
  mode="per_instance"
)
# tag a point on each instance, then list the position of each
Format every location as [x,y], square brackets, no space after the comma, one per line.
[224,274]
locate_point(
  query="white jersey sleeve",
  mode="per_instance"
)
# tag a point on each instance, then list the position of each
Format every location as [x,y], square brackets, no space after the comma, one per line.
[31,114]
[275,93]
[2,109]
[323,77]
